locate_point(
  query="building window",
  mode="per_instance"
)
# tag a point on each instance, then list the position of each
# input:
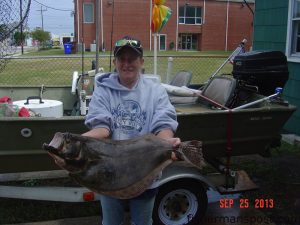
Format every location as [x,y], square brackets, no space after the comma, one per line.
[190,15]
[293,32]
[88,12]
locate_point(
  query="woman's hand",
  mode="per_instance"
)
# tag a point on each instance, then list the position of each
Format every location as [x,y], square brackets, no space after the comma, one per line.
[168,134]
[175,142]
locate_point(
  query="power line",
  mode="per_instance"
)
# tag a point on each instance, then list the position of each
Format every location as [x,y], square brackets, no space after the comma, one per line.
[247,4]
[70,10]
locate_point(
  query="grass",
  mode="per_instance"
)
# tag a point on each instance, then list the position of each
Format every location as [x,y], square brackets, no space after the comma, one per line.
[60,51]
[36,68]
[278,178]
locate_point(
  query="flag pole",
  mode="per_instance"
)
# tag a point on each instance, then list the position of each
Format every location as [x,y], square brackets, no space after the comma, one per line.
[160,15]
[155,54]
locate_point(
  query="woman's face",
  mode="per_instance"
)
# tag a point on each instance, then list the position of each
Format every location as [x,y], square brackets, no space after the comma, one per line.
[128,64]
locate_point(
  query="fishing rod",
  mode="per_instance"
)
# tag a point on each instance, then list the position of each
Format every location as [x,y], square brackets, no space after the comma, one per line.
[76,76]
[237,51]
[84,77]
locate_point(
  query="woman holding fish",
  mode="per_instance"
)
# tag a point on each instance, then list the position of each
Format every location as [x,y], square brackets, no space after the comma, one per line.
[126,105]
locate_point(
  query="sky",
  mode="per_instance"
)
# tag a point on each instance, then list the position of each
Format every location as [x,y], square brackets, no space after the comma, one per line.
[57,17]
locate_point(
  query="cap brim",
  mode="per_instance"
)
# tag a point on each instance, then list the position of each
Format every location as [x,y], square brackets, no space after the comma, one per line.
[120,49]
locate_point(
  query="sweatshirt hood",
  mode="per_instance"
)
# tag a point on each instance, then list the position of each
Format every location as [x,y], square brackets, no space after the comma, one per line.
[111,80]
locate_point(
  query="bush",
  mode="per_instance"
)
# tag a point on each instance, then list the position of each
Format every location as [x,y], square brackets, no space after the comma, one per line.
[42,36]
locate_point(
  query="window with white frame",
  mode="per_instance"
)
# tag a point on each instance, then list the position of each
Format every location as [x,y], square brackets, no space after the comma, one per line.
[293,32]
[190,15]
[88,12]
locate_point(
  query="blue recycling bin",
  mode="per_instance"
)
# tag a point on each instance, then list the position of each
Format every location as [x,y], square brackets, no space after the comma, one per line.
[68,48]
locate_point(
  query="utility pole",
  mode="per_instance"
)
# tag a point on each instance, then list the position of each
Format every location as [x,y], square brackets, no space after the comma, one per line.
[42,10]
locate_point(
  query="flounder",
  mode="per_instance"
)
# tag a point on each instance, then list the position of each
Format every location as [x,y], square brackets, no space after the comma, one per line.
[121,169]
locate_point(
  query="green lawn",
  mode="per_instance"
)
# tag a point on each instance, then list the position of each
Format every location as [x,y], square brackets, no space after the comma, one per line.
[60,51]
[53,67]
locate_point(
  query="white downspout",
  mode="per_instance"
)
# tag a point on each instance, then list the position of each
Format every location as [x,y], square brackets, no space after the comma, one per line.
[97,35]
[204,10]
[226,32]
[150,31]
[176,40]
[102,39]
[78,27]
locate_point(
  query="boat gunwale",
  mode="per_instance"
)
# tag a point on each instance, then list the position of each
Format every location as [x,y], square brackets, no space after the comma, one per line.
[272,108]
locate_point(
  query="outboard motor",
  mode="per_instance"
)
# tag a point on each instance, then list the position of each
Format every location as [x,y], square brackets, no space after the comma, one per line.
[266,70]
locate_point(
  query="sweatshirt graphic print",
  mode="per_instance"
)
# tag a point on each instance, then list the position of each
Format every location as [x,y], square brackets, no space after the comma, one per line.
[129,117]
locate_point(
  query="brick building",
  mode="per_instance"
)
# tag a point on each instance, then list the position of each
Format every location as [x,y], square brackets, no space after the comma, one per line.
[193,25]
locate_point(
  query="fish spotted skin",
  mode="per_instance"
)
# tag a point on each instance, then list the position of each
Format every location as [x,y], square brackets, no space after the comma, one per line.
[122,169]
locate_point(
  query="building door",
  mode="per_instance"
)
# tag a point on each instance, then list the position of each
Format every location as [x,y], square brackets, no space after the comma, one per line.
[162,42]
[188,41]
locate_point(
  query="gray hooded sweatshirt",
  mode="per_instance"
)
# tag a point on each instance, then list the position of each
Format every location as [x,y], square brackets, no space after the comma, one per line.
[128,113]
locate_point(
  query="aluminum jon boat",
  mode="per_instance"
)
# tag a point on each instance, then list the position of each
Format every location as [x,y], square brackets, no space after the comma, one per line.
[247,130]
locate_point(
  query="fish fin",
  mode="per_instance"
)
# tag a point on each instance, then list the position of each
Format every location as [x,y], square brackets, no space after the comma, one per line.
[191,151]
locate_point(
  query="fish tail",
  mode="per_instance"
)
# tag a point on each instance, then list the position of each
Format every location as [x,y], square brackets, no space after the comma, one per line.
[191,151]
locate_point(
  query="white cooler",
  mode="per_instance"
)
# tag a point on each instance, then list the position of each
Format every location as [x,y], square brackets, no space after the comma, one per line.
[42,107]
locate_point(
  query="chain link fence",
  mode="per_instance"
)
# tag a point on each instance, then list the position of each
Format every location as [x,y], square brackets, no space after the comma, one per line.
[58,71]
[13,17]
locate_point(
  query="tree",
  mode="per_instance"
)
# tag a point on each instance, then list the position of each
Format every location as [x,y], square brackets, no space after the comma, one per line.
[20,38]
[42,36]
[3,31]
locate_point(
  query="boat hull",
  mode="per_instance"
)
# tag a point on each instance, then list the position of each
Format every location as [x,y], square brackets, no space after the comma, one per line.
[241,132]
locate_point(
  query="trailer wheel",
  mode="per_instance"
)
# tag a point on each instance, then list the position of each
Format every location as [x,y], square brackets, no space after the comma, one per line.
[180,202]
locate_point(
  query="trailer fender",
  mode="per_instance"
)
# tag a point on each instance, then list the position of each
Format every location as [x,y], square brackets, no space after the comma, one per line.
[182,170]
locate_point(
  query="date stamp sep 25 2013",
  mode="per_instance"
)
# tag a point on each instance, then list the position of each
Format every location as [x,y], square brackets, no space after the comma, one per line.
[245,203]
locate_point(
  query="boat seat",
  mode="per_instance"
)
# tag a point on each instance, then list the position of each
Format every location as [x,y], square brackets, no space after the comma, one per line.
[182,78]
[154,77]
[220,89]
